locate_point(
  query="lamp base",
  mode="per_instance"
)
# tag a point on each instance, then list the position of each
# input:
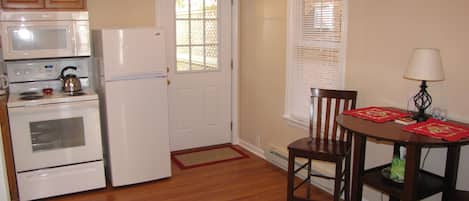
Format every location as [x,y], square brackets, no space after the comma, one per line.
[420,116]
[422,101]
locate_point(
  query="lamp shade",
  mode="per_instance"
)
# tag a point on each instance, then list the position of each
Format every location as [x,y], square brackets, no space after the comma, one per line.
[425,64]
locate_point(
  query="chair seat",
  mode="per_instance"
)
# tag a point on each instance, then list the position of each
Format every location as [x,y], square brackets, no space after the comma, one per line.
[321,149]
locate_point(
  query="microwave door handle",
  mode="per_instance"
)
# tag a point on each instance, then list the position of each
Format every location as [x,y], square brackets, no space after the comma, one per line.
[74,29]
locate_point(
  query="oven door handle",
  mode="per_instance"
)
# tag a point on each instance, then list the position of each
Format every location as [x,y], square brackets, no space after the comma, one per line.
[31,104]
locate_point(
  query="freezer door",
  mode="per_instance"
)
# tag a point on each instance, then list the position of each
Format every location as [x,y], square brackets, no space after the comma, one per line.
[137,119]
[132,52]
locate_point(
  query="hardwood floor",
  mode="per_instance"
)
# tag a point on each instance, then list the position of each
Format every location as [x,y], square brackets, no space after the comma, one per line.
[251,179]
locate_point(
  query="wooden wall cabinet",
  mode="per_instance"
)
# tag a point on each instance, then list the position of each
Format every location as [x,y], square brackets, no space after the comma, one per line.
[45,4]
[65,4]
[23,4]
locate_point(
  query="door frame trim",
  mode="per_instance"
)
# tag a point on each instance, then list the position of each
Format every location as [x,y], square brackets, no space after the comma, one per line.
[235,71]
[162,16]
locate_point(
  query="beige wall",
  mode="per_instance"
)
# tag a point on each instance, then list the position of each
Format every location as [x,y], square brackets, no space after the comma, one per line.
[263,38]
[121,13]
[381,37]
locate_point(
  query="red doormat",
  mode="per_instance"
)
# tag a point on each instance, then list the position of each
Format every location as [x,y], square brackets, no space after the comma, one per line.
[207,156]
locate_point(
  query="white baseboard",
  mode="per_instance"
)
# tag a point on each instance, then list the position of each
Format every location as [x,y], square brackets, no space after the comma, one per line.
[252,148]
[281,163]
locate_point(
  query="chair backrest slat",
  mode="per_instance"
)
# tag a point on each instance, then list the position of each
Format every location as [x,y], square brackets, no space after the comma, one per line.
[318,117]
[328,118]
[336,112]
[328,129]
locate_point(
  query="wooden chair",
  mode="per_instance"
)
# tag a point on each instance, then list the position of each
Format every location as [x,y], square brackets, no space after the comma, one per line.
[327,142]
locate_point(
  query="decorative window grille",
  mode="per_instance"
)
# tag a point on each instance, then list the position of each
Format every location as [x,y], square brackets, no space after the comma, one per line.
[196,35]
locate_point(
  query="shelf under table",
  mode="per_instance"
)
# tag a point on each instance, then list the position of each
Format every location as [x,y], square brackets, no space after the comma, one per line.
[427,183]
[459,196]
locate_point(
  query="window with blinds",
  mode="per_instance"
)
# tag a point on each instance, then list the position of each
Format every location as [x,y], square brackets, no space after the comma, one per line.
[315,51]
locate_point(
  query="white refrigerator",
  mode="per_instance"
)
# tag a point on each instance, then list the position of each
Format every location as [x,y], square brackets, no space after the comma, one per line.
[132,85]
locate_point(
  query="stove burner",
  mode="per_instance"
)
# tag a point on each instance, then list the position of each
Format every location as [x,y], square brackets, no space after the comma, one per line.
[79,93]
[31,97]
[29,93]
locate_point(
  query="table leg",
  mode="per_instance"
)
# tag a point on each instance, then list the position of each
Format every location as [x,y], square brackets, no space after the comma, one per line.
[291,176]
[451,170]
[411,172]
[358,166]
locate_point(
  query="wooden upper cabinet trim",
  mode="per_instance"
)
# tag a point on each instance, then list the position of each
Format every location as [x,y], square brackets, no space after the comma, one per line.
[23,4]
[66,4]
[44,4]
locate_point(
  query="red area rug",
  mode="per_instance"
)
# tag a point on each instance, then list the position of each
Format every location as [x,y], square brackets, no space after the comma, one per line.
[198,157]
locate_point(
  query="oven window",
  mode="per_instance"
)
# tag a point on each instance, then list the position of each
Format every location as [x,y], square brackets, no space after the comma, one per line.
[57,134]
[26,39]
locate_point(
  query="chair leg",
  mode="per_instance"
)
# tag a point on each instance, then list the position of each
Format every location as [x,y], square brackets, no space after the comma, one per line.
[338,179]
[291,175]
[308,193]
[347,177]
[393,199]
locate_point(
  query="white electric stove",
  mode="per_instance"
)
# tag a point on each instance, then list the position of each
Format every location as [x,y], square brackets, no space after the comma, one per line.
[56,136]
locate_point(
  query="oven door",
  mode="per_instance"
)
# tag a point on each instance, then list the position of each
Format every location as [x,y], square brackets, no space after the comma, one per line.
[46,39]
[55,134]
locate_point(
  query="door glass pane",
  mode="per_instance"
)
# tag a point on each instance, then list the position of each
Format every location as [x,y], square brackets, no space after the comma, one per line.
[197,32]
[182,8]
[57,134]
[211,55]
[211,9]
[196,35]
[182,37]
[38,38]
[197,9]
[211,33]
[183,61]
[197,58]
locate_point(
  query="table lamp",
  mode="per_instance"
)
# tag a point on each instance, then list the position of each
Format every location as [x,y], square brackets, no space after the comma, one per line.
[425,65]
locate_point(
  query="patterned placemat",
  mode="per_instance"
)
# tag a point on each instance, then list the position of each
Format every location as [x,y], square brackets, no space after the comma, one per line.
[439,129]
[376,114]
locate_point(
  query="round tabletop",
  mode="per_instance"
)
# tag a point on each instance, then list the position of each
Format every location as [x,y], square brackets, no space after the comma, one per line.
[391,131]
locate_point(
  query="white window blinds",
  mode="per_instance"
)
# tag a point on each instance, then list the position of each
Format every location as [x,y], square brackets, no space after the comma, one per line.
[315,54]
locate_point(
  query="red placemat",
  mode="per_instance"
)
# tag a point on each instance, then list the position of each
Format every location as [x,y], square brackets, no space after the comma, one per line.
[439,129]
[376,114]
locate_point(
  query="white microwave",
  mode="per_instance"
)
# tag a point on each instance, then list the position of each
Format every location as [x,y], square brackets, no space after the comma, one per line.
[34,35]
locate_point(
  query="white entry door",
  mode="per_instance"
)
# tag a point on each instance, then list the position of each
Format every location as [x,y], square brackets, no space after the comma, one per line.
[200,73]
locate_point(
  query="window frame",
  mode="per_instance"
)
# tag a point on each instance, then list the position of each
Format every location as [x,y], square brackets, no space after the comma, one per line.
[292,72]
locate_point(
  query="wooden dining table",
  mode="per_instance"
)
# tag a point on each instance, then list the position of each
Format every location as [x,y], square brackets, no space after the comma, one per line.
[418,183]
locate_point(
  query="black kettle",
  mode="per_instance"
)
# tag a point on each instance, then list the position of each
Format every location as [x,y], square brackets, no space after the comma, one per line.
[71,83]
